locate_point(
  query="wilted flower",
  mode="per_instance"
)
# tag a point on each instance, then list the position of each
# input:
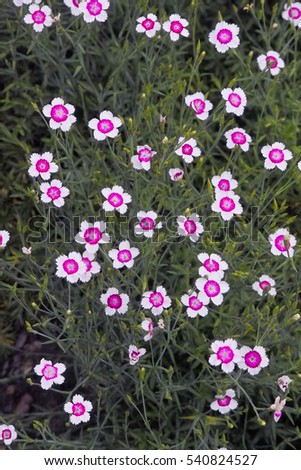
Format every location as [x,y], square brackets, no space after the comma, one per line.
[283,382]
[277,407]
[135,354]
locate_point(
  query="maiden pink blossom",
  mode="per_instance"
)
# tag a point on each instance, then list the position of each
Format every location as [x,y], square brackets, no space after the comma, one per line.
[225,354]
[142,161]
[4,238]
[190,227]
[105,126]
[199,104]
[188,149]
[116,199]
[42,165]
[277,407]
[212,288]
[224,182]
[74,7]
[7,434]
[148,25]
[236,100]
[212,264]
[196,304]
[225,403]
[282,243]
[114,302]
[176,174]
[94,10]
[253,360]
[176,27]
[156,301]
[292,13]
[39,17]
[92,235]
[238,137]
[265,285]
[224,36]
[50,373]
[276,155]
[124,256]
[148,325]
[271,61]
[147,224]
[70,266]
[135,354]
[227,204]
[79,409]
[283,382]
[54,192]
[92,266]
[19,3]
[61,114]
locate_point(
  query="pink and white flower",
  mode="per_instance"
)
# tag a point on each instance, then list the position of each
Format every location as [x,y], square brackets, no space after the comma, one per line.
[142,161]
[19,3]
[238,137]
[94,10]
[188,149]
[54,192]
[299,165]
[224,182]
[70,266]
[176,174]
[92,267]
[74,7]
[196,304]
[92,235]
[135,354]
[212,264]
[117,199]
[106,126]
[61,114]
[4,238]
[212,288]
[114,302]
[224,36]
[156,301]
[271,61]
[253,360]
[176,27]
[42,165]
[199,104]
[26,251]
[7,434]
[227,204]
[276,155]
[265,285]
[225,354]
[147,224]
[148,24]
[148,325]
[51,374]
[292,13]
[283,382]
[190,227]
[79,409]
[277,407]
[225,403]
[282,243]
[39,17]
[124,256]
[236,100]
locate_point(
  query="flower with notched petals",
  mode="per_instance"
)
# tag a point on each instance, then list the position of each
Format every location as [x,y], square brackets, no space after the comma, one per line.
[282,243]
[199,104]
[212,264]
[292,13]
[236,100]
[105,126]
[224,36]
[238,137]
[265,285]
[176,27]
[224,182]
[135,354]
[70,266]
[227,204]
[156,301]
[196,304]
[4,238]
[176,174]
[61,114]
[188,149]
[39,17]
[92,266]
[253,360]
[212,287]
[225,403]
[54,192]
[79,409]
[94,10]
[92,235]
[42,165]
[276,155]
[271,61]
[50,373]
[225,354]
[73,6]
[114,302]
[124,256]
[190,227]
[149,25]
[116,199]
[147,224]
[142,161]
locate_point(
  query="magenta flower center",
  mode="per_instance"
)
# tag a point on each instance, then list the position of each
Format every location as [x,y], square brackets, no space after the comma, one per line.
[176,27]
[42,165]
[115,199]
[224,185]
[156,299]
[49,372]
[124,256]
[1,240]
[53,192]
[276,155]
[235,100]
[147,223]
[253,359]
[92,235]
[225,401]
[144,155]
[227,204]
[225,354]
[294,13]
[264,285]
[190,226]
[114,301]
[224,36]
[6,434]
[195,303]
[59,113]
[148,24]
[105,126]
[87,263]
[187,149]
[239,138]
[135,354]
[75,3]
[38,17]
[271,62]
[211,265]
[198,105]
[70,266]
[178,175]
[94,7]
[280,243]
[212,288]
[78,409]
